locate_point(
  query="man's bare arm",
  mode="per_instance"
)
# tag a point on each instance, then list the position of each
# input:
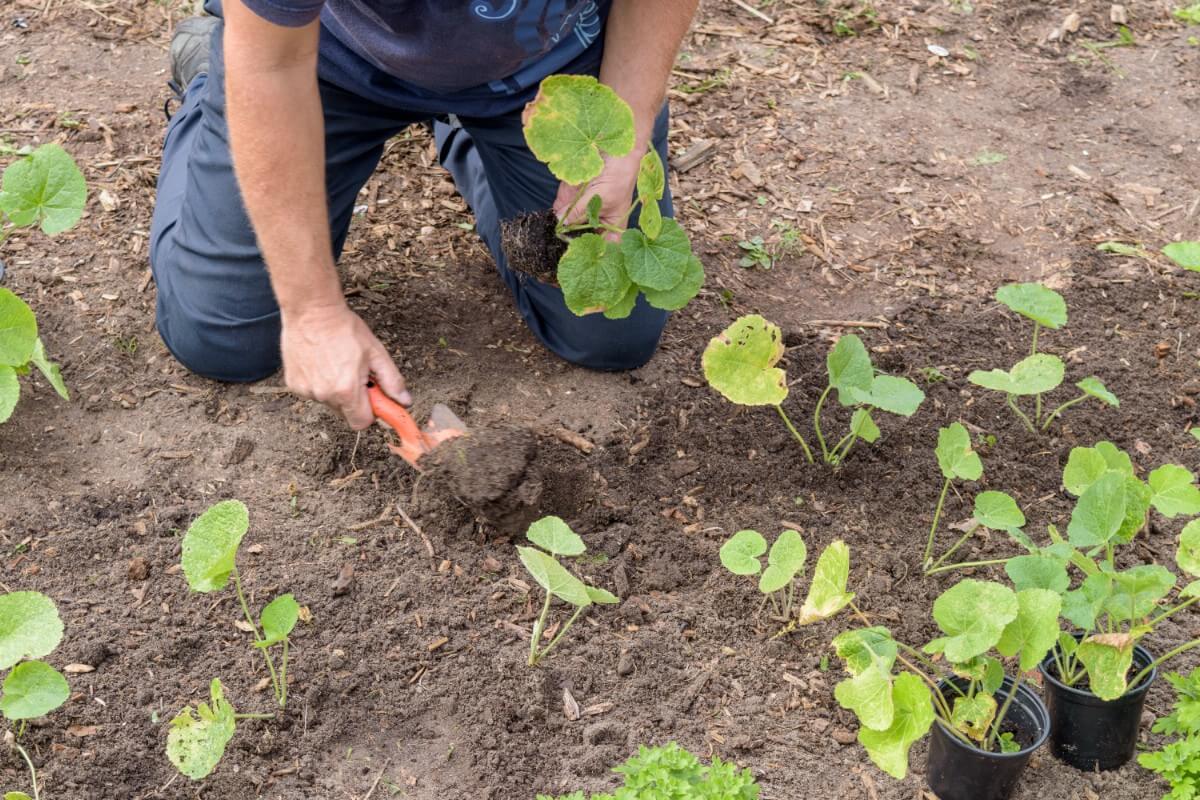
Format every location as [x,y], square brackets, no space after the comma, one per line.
[276,130]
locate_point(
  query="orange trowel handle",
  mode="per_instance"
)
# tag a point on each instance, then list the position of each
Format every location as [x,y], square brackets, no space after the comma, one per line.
[396,417]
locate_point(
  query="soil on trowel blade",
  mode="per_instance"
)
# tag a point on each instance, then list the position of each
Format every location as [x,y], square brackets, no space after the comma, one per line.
[531,244]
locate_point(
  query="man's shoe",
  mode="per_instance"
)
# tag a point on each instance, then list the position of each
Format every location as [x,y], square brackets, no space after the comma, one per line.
[190,47]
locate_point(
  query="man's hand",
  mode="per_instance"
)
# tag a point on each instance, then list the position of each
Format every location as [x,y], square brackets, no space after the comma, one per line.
[615,187]
[329,353]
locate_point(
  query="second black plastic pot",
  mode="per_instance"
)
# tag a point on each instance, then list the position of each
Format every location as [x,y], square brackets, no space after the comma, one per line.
[1089,733]
[958,771]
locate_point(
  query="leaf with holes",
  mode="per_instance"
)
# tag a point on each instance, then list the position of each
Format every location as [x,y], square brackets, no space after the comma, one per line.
[740,363]
[197,738]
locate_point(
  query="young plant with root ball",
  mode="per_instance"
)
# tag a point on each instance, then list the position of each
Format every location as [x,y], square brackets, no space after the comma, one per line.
[741,364]
[29,629]
[1038,373]
[197,739]
[571,126]
[556,539]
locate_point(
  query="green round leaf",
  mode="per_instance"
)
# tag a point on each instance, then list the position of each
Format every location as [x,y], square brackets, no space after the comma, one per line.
[1094,387]
[45,187]
[29,627]
[197,739]
[659,263]
[279,619]
[556,537]
[1035,630]
[850,369]
[1185,254]
[18,330]
[592,274]
[681,295]
[741,552]
[827,595]
[573,122]
[1036,302]
[998,511]
[785,562]
[33,689]
[16,796]
[1036,374]
[1100,512]
[211,543]
[1174,491]
[740,363]
[1081,606]
[890,393]
[912,716]
[553,577]
[1187,556]
[10,392]
[973,615]
[1037,571]
[955,456]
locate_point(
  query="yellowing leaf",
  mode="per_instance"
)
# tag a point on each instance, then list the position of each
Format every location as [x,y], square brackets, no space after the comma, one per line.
[573,122]
[197,739]
[740,363]
[827,595]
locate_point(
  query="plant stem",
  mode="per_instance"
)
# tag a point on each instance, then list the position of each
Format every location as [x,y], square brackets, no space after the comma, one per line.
[562,632]
[241,596]
[1174,610]
[817,422]
[32,772]
[1183,648]
[1036,328]
[1056,412]
[283,677]
[995,732]
[937,516]
[967,565]
[21,729]
[538,627]
[954,548]
[1024,417]
[796,434]
[842,455]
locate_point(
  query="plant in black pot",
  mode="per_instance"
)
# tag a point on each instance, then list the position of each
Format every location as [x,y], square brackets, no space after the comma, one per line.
[1097,678]
[985,725]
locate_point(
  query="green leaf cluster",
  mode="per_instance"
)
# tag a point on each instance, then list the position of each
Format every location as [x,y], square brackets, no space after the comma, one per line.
[672,773]
[571,126]
[1038,373]
[556,539]
[741,363]
[20,349]
[30,628]
[1178,761]
[741,554]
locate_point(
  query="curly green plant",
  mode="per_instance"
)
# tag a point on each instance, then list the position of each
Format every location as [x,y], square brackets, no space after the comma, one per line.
[672,773]
[571,126]
[1038,373]
[955,678]
[741,554]
[29,629]
[741,364]
[555,538]
[1178,761]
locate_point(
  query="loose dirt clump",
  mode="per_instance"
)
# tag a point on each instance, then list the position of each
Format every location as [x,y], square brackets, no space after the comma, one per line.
[531,244]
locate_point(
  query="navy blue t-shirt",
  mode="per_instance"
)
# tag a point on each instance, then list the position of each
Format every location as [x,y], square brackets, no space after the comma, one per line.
[474,58]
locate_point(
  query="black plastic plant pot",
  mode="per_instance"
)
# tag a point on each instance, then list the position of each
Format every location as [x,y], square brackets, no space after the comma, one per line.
[1089,733]
[959,771]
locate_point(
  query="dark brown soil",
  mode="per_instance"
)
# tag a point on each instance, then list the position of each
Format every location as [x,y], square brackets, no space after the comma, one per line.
[409,681]
[531,244]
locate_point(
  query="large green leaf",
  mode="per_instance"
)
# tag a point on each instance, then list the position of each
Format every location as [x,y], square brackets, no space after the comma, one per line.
[10,391]
[1036,374]
[682,294]
[869,696]
[1187,555]
[1086,464]
[997,511]
[553,577]
[1094,387]
[659,263]
[45,187]
[1035,630]
[279,619]
[1175,491]
[1107,658]
[1137,590]
[1185,254]
[573,123]
[785,562]
[973,614]
[866,648]
[33,689]
[29,627]
[18,330]
[555,537]
[890,393]
[1100,512]
[850,369]
[1036,302]
[913,714]
[197,739]
[827,595]
[1038,571]
[592,274]
[740,363]
[49,369]
[741,552]
[211,543]
[955,456]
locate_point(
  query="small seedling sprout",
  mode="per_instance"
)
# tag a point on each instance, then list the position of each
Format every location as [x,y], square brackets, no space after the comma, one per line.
[741,555]
[555,538]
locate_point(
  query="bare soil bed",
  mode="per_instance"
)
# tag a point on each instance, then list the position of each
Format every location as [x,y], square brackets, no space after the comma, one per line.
[895,204]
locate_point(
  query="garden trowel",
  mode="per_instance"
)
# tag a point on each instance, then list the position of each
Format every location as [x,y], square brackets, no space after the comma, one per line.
[415,442]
